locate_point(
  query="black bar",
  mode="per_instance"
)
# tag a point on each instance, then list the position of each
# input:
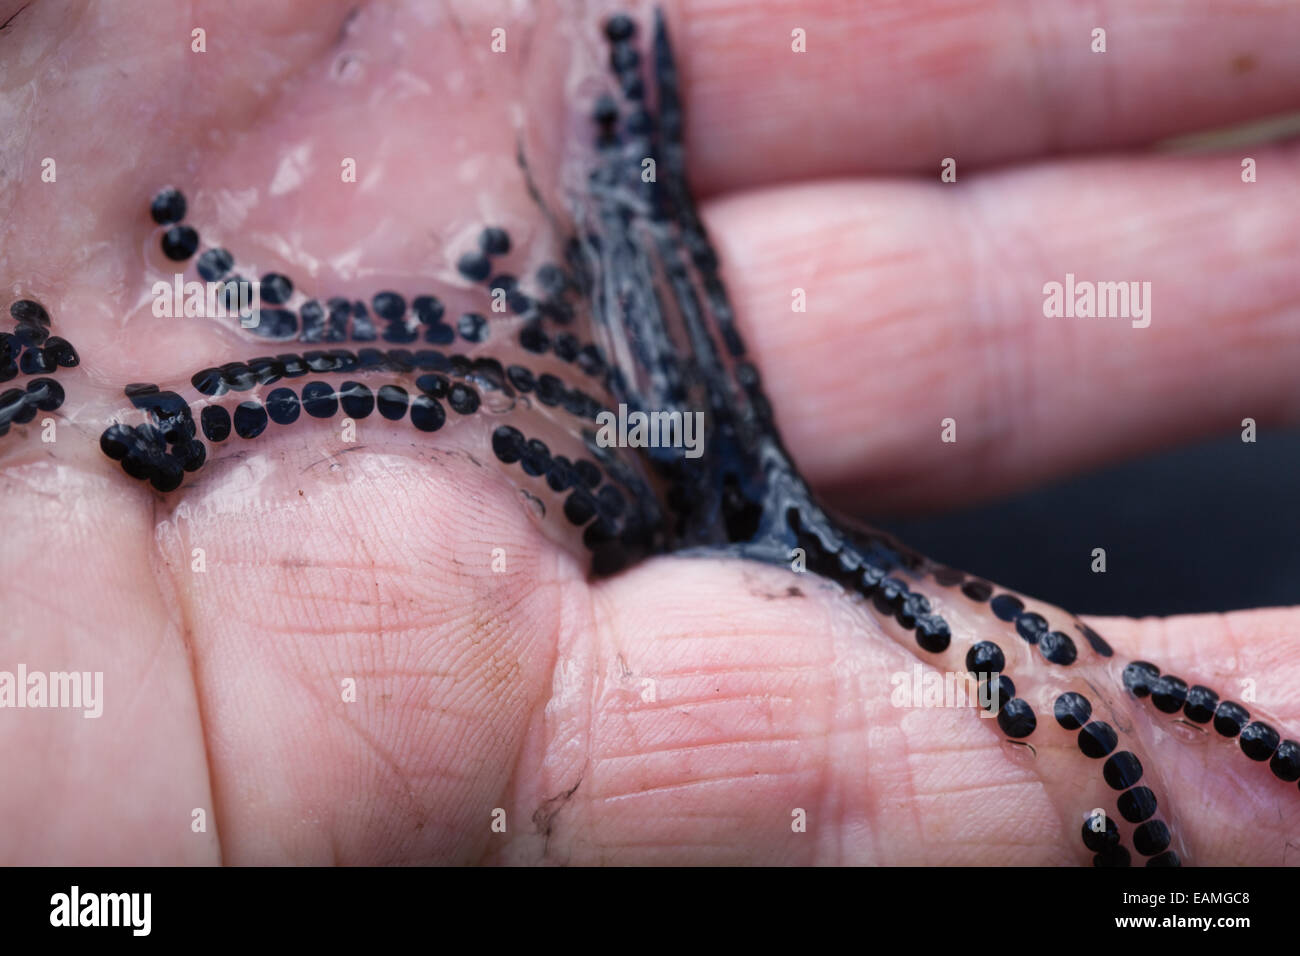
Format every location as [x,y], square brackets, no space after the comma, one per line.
[589,907]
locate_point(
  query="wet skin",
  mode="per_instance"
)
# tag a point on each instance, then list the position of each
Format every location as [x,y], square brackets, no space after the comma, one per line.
[527,691]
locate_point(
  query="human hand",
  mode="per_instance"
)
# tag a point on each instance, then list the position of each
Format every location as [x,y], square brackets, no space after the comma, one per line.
[682,710]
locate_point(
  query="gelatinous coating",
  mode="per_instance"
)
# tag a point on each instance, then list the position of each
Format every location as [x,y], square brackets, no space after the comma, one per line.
[635,325]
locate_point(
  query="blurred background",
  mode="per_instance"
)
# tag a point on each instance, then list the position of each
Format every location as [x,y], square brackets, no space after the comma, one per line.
[1210,527]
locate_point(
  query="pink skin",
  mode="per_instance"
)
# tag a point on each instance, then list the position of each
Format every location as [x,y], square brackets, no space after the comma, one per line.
[478,691]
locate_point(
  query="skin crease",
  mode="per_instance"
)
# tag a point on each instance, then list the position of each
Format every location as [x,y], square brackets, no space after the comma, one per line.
[523,691]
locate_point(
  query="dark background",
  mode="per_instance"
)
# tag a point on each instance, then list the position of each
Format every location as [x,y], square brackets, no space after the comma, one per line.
[1211,527]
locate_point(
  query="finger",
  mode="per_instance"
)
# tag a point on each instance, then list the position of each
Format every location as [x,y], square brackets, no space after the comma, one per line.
[926,303]
[1251,657]
[95,681]
[710,726]
[900,85]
